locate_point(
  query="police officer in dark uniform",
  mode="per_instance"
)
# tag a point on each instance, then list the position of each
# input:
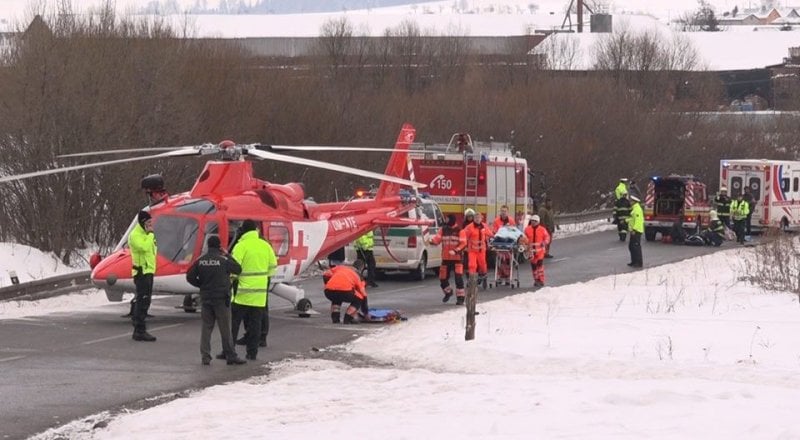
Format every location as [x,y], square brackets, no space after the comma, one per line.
[212,274]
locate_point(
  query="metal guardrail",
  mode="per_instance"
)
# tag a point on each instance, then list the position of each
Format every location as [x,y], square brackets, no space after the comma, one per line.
[47,287]
[54,286]
[584,216]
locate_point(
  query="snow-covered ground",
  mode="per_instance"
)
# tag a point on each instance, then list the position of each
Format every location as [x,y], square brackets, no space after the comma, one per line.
[678,351]
[31,264]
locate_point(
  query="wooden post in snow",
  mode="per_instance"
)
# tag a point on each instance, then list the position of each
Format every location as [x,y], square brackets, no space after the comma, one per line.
[472,298]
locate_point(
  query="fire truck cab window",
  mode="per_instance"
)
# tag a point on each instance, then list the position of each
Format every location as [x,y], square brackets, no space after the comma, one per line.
[795,184]
[785,184]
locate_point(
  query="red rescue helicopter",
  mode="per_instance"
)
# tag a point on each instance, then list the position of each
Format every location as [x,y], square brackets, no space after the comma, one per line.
[226,193]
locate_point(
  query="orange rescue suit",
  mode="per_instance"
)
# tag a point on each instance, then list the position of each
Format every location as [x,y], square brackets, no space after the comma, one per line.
[345,279]
[474,238]
[449,237]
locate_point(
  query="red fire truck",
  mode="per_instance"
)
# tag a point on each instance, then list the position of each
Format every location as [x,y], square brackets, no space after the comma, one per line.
[470,174]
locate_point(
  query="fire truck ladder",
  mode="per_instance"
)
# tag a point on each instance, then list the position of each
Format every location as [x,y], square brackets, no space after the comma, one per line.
[471,170]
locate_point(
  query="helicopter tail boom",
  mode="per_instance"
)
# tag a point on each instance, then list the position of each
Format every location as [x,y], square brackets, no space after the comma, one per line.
[397,163]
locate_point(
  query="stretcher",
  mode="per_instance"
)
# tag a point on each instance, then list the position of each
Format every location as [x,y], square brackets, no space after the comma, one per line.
[506,261]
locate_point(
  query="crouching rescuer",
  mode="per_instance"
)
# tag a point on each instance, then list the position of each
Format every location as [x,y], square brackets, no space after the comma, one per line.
[344,284]
[452,260]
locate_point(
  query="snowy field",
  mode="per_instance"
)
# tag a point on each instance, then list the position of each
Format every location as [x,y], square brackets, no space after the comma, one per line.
[677,351]
[31,264]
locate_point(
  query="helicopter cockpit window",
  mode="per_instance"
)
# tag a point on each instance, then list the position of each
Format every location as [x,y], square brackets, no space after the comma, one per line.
[278,237]
[197,206]
[176,237]
[211,230]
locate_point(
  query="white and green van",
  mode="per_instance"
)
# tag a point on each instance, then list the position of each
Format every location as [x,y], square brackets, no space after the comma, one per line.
[404,248]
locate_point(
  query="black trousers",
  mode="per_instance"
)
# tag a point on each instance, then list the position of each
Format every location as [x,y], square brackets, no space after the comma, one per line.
[747,224]
[141,303]
[369,258]
[635,248]
[216,311]
[740,228]
[251,316]
[448,267]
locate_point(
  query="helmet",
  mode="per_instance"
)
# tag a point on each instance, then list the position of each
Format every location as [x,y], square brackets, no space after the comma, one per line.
[723,188]
[623,179]
[713,215]
[535,218]
[635,199]
[469,212]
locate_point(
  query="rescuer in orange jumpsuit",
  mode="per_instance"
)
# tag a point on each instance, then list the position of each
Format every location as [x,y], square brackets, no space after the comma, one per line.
[502,219]
[448,236]
[538,238]
[344,284]
[474,239]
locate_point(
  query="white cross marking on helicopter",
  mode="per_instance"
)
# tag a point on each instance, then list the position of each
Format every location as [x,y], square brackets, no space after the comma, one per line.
[298,253]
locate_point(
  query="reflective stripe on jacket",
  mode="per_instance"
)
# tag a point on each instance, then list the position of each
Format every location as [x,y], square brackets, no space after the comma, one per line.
[636,220]
[538,238]
[740,209]
[449,238]
[474,238]
[143,250]
[258,262]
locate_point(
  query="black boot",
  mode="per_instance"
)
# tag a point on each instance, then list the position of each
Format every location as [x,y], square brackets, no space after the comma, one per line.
[143,336]
[335,317]
[242,340]
[460,301]
[447,296]
[236,361]
[349,319]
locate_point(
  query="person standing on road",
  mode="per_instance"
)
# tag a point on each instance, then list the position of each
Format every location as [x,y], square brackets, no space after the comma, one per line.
[142,243]
[343,284]
[537,237]
[474,239]
[548,220]
[448,237]
[251,302]
[364,245]
[636,228]
[739,211]
[751,205]
[502,219]
[622,210]
[722,203]
[212,274]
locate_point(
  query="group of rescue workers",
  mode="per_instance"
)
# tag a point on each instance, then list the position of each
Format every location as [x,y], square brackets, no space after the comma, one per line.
[629,218]
[224,302]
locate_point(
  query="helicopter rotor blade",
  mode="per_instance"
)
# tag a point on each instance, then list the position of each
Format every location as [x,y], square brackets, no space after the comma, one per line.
[123,151]
[181,152]
[333,167]
[322,148]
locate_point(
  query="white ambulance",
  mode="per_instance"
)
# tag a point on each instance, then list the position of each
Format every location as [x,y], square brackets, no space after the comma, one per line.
[775,186]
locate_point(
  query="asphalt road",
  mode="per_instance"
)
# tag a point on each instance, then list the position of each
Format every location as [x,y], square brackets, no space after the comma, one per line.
[66,366]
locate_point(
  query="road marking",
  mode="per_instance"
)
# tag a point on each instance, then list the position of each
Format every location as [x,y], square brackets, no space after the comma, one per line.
[13,358]
[556,260]
[127,335]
